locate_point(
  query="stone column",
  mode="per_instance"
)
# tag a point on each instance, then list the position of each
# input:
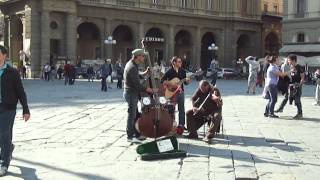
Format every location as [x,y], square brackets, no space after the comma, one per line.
[170,44]
[196,57]
[71,43]
[107,47]
[35,37]
[7,36]
[140,36]
[45,37]
[230,44]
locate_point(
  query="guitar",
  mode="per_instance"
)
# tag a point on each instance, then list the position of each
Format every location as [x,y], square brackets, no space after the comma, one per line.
[174,85]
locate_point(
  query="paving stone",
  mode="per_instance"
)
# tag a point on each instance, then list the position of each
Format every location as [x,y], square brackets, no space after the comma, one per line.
[77,136]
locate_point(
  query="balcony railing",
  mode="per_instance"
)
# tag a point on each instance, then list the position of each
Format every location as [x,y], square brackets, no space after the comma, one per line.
[272,13]
[138,4]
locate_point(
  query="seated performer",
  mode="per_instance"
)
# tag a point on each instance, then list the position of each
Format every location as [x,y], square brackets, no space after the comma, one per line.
[207,104]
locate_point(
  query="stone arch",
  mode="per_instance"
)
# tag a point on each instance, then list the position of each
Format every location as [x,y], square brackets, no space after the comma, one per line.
[183,47]
[272,44]
[206,55]
[155,40]
[124,42]
[88,46]
[243,46]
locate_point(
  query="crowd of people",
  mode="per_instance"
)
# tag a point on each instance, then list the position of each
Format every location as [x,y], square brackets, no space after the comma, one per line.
[206,100]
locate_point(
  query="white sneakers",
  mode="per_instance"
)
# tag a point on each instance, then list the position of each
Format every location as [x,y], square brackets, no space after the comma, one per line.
[134,140]
[3,171]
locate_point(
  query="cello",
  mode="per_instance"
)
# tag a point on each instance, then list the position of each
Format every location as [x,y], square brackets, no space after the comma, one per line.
[155,120]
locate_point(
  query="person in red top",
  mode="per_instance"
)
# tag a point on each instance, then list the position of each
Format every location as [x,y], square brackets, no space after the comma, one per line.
[67,73]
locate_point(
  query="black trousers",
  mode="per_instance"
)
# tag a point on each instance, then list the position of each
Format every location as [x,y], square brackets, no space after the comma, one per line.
[6,125]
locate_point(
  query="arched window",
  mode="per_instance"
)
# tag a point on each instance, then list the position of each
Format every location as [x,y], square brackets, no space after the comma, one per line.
[301,38]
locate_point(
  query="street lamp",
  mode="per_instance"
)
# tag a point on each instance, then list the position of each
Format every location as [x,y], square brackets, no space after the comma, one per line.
[110,40]
[213,47]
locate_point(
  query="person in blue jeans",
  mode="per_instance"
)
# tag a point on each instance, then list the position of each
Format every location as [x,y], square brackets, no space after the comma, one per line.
[272,78]
[176,71]
[11,90]
[131,92]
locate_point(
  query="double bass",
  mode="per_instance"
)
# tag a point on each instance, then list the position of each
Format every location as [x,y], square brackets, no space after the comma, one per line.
[155,120]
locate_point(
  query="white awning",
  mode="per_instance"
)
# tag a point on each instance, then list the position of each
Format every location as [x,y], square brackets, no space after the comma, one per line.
[300,48]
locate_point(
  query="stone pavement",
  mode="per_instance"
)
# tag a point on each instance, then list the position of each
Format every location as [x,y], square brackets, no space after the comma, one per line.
[78,132]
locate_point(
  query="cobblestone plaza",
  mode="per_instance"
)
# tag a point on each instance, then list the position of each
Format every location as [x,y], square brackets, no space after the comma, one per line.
[78,132]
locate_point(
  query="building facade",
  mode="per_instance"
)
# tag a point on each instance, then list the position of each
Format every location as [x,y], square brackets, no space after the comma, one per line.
[272,14]
[85,29]
[302,26]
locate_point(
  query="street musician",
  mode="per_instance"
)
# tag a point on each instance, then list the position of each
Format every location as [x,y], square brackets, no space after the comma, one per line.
[176,72]
[207,107]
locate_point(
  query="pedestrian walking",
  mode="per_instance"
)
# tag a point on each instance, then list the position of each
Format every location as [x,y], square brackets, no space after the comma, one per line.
[105,72]
[47,70]
[60,72]
[11,91]
[283,85]
[24,72]
[214,70]
[296,83]
[67,73]
[254,68]
[90,73]
[119,68]
[317,94]
[272,78]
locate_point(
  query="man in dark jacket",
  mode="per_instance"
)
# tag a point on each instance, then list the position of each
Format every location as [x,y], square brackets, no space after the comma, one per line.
[11,91]
[132,90]
[207,106]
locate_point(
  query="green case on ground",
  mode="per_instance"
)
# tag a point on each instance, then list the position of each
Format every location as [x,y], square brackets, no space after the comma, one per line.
[150,150]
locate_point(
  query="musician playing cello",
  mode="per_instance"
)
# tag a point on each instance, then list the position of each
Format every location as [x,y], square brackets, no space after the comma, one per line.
[176,71]
[132,89]
[206,102]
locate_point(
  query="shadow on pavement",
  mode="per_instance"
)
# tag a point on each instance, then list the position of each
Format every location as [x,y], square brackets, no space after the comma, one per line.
[26,173]
[317,120]
[30,170]
[234,154]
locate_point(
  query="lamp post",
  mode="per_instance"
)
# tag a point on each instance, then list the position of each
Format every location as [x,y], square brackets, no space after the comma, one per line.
[213,47]
[110,41]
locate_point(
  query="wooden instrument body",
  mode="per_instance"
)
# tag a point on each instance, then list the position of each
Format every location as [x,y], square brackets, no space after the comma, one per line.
[155,121]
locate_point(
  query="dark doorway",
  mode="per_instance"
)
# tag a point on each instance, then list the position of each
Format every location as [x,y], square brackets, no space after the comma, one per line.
[124,46]
[183,48]
[206,55]
[89,41]
[272,44]
[155,44]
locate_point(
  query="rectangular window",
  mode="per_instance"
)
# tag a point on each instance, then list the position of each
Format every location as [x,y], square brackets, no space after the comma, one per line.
[209,4]
[244,4]
[265,7]
[301,6]
[275,8]
[183,3]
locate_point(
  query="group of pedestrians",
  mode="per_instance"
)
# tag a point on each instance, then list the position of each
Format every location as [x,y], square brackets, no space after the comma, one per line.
[292,90]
